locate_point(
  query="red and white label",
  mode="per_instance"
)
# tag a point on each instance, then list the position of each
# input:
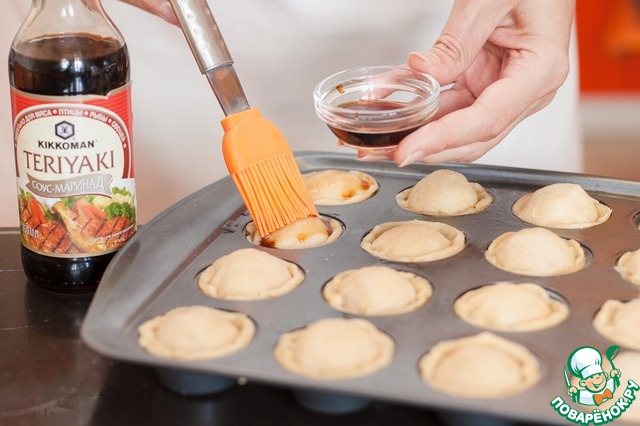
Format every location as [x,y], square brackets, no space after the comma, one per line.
[74,166]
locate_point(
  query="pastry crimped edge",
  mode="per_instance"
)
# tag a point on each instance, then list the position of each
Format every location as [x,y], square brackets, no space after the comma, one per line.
[297,276]
[358,198]
[604,324]
[580,259]
[421,286]
[530,371]
[454,235]
[284,352]
[335,228]
[559,313]
[148,341]
[622,268]
[604,212]
[484,202]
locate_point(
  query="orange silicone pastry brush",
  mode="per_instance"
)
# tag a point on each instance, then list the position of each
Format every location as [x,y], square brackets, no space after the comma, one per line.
[265,171]
[256,153]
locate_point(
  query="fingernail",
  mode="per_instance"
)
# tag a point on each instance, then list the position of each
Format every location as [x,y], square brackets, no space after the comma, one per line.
[412,158]
[424,57]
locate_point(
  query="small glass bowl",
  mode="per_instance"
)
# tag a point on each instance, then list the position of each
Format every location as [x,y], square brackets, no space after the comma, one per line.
[374,108]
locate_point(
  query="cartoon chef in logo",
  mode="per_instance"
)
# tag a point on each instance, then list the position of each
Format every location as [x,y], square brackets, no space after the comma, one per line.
[585,363]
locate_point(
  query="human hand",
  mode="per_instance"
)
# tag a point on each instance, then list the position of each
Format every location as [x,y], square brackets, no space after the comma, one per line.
[160,8]
[572,391]
[615,373]
[507,59]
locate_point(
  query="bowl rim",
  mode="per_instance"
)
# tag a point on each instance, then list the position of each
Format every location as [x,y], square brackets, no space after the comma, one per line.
[361,73]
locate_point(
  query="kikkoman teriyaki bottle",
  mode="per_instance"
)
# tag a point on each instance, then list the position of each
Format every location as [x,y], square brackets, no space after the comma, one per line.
[71,104]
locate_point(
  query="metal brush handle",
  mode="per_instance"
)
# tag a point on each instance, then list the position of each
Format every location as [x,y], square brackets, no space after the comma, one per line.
[211,53]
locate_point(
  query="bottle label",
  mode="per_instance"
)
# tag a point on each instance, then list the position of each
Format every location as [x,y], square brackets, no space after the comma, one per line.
[74,165]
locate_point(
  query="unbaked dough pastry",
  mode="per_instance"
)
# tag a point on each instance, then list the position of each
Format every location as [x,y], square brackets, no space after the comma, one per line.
[377,291]
[561,205]
[196,333]
[413,241]
[249,274]
[445,193]
[619,322]
[536,252]
[337,187]
[304,233]
[628,266]
[484,366]
[506,306]
[335,348]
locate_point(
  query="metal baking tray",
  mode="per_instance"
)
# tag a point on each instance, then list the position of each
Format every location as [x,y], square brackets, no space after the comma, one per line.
[156,271]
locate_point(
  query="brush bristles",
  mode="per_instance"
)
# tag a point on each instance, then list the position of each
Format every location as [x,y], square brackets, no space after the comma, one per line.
[274,193]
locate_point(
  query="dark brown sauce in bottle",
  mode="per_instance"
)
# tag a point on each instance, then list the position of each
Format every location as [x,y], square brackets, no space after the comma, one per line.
[66,65]
[372,140]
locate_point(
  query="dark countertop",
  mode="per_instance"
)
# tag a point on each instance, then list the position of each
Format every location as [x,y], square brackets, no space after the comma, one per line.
[48,376]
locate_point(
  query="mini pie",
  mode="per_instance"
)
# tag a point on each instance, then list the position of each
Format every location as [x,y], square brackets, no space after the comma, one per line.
[249,274]
[196,333]
[628,266]
[619,322]
[484,366]
[512,307]
[302,234]
[445,193]
[337,187]
[335,348]
[561,205]
[536,252]
[377,291]
[413,241]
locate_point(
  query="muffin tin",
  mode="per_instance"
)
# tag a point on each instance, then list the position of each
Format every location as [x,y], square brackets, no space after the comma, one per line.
[156,271]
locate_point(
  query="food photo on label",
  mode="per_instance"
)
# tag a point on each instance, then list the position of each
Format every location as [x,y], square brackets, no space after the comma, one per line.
[92,223]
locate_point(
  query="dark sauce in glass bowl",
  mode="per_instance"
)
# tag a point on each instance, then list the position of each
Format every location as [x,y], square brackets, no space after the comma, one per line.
[369,140]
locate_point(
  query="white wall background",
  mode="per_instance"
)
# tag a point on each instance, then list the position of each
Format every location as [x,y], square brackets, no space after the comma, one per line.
[281,48]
